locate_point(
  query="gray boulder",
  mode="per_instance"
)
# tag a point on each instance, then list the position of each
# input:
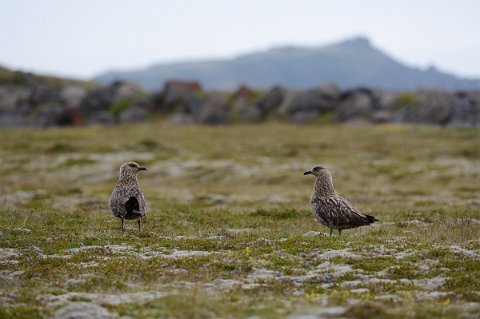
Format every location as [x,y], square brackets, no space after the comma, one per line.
[271,101]
[241,102]
[113,99]
[82,310]
[176,96]
[174,90]
[431,107]
[11,119]
[355,105]
[211,110]
[41,94]
[48,115]
[11,96]
[383,100]
[134,114]
[72,95]
[314,101]
[382,116]
[98,100]
[465,109]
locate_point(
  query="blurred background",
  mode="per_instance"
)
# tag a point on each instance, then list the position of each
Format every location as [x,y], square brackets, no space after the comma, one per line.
[219,62]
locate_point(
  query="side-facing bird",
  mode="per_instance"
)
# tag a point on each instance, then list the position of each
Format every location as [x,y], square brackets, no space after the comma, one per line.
[331,209]
[127,201]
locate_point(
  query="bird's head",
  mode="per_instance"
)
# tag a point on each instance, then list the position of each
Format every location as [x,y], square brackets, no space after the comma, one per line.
[130,169]
[318,171]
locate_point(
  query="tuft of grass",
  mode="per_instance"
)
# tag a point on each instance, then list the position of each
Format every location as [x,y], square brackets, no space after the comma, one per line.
[471,153]
[77,162]
[21,312]
[276,214]
[60,147]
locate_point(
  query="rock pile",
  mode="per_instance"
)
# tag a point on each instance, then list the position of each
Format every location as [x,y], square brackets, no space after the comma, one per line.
[35,103]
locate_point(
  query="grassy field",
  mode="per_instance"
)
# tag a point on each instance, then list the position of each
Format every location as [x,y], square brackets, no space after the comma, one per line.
[229,232]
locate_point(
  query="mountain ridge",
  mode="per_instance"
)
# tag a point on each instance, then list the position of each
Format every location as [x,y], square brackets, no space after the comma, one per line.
[350,63]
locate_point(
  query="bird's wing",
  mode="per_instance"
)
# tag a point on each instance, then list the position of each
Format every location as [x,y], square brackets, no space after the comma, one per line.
[141,202]
[336,211]
[348,215]
[117,203]
[321,212]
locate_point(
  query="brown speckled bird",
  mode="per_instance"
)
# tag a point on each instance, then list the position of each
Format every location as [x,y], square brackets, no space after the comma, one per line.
[127,201]
[331,209]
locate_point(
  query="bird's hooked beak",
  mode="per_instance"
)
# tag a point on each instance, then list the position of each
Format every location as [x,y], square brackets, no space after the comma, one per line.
[141,168]
[307,173]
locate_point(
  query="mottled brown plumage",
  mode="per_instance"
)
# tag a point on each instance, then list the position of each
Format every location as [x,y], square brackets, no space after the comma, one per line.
[331,209]
[127,201]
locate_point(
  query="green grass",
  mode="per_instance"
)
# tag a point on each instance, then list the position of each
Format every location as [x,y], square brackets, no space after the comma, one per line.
[236,196]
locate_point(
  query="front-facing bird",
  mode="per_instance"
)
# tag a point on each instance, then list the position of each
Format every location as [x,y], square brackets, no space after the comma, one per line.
[331,209]
[127,201]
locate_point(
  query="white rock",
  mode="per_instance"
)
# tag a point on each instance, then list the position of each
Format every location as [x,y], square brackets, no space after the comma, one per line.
[318,313]
[429,295]
[82,310]
[8,253]
[465,252]
[263,274]
[350,284]
[329,254]
[360,291]
[313,234]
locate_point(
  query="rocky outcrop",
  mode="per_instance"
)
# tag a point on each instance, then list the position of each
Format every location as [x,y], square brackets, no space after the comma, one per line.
[210,110]
[271,101]
[176,96]
[303,106]
[430,107]
[355,105]
[106,104]
[465,109]
[28,101]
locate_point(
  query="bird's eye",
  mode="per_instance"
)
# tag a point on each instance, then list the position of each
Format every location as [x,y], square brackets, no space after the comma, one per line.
[131,165]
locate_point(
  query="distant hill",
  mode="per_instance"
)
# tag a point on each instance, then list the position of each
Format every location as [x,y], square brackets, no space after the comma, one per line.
[350,63]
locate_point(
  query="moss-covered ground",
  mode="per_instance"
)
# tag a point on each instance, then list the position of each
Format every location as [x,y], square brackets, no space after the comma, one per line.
[229,233]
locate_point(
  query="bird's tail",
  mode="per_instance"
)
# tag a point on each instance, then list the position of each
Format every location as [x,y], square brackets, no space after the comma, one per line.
[371,219]
[137,213]
[134,214]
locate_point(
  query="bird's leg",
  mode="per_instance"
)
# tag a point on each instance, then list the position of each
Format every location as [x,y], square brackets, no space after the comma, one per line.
[139,224]
[339,232]
[122,224]
[331,229]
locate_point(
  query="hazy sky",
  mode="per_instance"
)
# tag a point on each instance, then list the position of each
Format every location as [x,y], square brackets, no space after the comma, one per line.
[85,37]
